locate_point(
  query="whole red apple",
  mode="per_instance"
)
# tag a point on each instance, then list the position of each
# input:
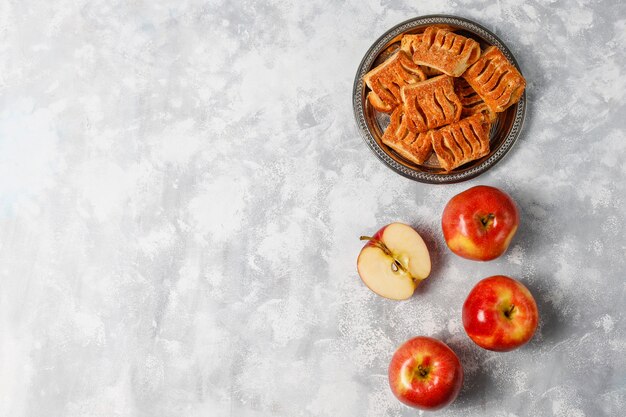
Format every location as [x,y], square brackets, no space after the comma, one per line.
[500,314]
[425,373]
[479,223]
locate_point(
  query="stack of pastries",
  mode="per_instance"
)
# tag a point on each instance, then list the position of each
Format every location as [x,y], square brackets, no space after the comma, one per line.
[443,93]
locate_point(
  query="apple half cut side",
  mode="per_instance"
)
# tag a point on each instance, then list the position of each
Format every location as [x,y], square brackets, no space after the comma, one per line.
[394,261]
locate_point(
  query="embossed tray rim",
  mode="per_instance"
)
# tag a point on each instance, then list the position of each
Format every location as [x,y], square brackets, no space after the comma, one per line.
[358,101]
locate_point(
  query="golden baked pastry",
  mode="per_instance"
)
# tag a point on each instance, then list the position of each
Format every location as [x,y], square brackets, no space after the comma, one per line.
[471,101]
[461,142]
[496,80]
[415,147]
[431,103]
[406,44]
[386,80]
[407,41]
[443,50]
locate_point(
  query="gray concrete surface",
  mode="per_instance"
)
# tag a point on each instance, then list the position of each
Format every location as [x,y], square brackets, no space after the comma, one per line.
[182,189]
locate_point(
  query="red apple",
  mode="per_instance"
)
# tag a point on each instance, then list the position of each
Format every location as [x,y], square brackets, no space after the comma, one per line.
[394,261]
[500,314]
[425,373]
[479,223]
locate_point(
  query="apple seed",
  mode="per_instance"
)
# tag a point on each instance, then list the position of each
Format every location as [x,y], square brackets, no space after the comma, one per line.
[395,265]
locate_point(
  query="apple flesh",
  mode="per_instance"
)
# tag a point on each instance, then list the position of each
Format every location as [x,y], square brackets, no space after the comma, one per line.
[479,223]
[394,261]
[425,373]
[500,314]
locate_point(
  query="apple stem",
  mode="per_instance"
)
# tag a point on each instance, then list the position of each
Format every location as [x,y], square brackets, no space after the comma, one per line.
[423,372]
[396,265]
[487,220]
[509,311]
[378,243]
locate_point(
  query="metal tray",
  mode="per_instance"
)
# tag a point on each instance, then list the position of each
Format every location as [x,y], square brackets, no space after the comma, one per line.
[371,123]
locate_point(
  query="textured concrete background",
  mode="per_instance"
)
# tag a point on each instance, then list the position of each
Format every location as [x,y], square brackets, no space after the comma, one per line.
[182,187]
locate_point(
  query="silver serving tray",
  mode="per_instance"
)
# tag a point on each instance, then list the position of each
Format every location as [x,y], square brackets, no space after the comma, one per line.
[371,123]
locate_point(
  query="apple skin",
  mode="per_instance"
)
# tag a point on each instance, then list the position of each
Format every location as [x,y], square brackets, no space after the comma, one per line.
[433,387]
[479,223]
[500,314]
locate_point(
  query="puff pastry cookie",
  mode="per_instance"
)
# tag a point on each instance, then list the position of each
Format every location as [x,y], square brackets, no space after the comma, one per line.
[431,103]
[443,50]
[386,80]
[406,44]
[471,101]
[496,80]
[461,142]
[415,147]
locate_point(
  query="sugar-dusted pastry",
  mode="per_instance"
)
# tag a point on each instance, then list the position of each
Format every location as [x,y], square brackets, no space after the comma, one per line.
[461,142]
[386,80]
[471,101]
[443,50]
[496,80]
[415,147]
[407,41]
[431,103]
[406,45]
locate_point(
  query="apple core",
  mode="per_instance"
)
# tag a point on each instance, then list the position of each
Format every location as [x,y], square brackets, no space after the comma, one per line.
[396,265]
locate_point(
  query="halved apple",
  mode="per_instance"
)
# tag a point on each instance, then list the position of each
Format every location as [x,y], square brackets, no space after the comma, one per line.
[394,261]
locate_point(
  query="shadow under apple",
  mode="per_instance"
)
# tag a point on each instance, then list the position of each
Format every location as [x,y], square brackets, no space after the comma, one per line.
[436,251]
[552,322]
[477,382]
